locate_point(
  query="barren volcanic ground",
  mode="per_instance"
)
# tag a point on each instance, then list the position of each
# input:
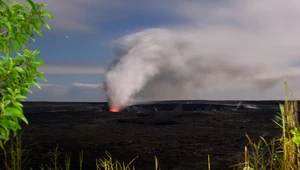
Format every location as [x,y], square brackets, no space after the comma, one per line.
[181,134]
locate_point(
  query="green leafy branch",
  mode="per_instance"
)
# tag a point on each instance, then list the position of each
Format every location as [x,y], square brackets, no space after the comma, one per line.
[18,23]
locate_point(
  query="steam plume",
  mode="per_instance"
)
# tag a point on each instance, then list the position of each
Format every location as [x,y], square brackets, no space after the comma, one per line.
[239,44]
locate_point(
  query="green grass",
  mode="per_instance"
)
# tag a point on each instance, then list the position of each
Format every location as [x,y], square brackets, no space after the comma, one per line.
[279,153]
[110,164]
[14,154]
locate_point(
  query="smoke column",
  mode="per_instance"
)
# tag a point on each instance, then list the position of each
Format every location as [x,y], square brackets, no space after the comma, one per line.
[238,44]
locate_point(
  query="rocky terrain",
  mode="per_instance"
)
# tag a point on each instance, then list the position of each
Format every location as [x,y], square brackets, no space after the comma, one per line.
[181,134]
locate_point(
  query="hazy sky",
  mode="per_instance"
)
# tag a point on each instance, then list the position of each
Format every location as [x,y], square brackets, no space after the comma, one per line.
[79,46]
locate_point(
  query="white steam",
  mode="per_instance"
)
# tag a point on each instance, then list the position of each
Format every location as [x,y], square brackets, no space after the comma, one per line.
[249,43]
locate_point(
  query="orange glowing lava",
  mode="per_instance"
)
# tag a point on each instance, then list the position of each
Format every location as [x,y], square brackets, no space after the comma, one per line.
[114,109]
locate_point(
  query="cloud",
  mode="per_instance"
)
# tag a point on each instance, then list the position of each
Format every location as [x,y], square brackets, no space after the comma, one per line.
[73,16]
[227,92]
[77,92]
[68,16]
[234,45]
[82,15]
[46,85]
[59,69]
[84,85]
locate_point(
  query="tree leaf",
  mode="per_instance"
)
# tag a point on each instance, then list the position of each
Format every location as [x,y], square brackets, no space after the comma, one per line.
[8,26]
[36,85]
[19,69]
[28,90]
[10,90]
[14,112]
[32,4]
[48,14]
[17,104]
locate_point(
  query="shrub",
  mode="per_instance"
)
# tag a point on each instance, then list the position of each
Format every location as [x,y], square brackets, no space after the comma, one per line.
[18,23]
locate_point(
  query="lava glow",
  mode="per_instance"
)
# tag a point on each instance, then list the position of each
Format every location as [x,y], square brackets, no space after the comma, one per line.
[114,109]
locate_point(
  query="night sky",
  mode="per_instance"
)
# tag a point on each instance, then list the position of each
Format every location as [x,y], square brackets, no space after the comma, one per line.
[80,43]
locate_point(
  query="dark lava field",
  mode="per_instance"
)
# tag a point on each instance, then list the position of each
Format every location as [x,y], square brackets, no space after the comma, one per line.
[180,133]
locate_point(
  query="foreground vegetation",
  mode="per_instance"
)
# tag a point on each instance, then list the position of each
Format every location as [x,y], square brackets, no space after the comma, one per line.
[19,24]
[280,153]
